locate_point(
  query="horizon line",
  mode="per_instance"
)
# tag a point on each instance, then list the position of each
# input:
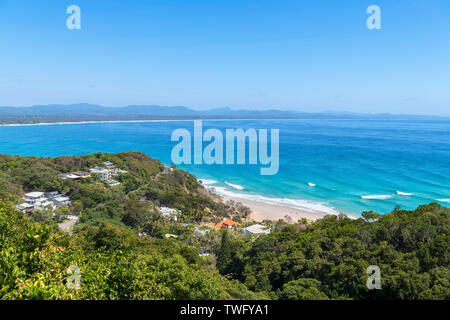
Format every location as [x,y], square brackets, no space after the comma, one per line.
[232,109]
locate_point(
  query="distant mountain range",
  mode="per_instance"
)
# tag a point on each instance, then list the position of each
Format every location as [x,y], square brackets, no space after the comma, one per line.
[92,112]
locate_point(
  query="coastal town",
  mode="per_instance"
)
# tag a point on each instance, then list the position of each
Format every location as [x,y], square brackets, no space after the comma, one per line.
[106,173]
[43,201]
[38,200]
[109,175]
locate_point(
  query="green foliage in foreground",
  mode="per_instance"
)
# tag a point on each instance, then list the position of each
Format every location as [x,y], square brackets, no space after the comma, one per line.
[329,260]
[114,264]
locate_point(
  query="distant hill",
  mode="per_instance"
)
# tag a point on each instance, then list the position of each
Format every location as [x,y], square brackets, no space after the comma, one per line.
[92,112]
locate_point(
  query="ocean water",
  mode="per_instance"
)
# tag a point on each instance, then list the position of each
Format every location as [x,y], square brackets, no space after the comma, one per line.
[327,166]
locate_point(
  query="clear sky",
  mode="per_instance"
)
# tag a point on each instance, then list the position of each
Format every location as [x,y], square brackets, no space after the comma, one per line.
[310,55]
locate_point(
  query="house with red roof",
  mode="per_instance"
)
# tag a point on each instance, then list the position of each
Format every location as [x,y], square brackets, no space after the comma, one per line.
[226,223]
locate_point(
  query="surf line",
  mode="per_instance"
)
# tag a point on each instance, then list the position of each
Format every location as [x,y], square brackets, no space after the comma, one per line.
[213,153]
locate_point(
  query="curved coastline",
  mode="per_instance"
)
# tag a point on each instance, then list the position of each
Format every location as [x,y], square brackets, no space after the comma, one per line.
[264,208]
[90,122]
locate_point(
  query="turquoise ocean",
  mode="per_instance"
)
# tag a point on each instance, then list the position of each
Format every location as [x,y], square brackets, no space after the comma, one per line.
[329,166]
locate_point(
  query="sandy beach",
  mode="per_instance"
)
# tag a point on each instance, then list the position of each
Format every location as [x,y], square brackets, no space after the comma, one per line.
[87,122]
[264,211]
[167,120]
[113,121]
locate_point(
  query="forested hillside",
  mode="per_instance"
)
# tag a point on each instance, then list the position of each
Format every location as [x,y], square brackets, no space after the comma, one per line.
[125,248]
[329,259]
[131,204]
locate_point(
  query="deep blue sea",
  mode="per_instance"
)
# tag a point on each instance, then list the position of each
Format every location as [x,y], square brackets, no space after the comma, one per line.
[345,160]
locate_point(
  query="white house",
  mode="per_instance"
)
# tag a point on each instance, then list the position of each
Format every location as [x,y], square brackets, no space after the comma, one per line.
[105,175]
[256,230]
[52,194]
[108,172]
[167,169]
[62,201]
[169,212]
[34,197]
[109,164]
[115,172]
[43,201]
[45,205]
[97,169]
[24,207]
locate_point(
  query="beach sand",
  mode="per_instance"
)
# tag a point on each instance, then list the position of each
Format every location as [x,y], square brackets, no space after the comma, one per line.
[263,211]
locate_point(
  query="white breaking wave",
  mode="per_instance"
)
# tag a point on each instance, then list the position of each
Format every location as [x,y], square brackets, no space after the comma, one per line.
[236,186]
[443,200]
[292,203]
[377,197]
[311,184]
[404,193]
[207,182]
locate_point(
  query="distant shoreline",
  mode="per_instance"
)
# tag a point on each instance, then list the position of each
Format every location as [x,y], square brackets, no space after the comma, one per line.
[202,119]
[88,122]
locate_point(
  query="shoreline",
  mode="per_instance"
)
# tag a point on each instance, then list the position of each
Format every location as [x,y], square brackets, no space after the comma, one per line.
[261,211]
[88,122]
[180,120]
[265,210]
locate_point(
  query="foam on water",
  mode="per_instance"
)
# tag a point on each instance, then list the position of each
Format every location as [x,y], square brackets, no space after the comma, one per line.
[235,186]
[207,182]
[306,205]
[377,197]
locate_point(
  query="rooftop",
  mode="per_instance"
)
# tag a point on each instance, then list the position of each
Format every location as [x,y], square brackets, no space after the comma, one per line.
[62,199]
[34,194]
[257,229]
[71,176]
[24,206]
[225,223]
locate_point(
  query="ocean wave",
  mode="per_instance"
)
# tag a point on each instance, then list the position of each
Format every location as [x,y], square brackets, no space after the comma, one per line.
[311,184]
[236,186]
[306,205]
[207,182]
[292,203]
[377,197]
[443,200]
[404,193]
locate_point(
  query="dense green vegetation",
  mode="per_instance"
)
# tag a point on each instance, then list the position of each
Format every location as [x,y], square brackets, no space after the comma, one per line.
[329,259]
[326,259]
[114,264]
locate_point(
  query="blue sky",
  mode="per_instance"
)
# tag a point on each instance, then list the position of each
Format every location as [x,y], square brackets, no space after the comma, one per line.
[293,55]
